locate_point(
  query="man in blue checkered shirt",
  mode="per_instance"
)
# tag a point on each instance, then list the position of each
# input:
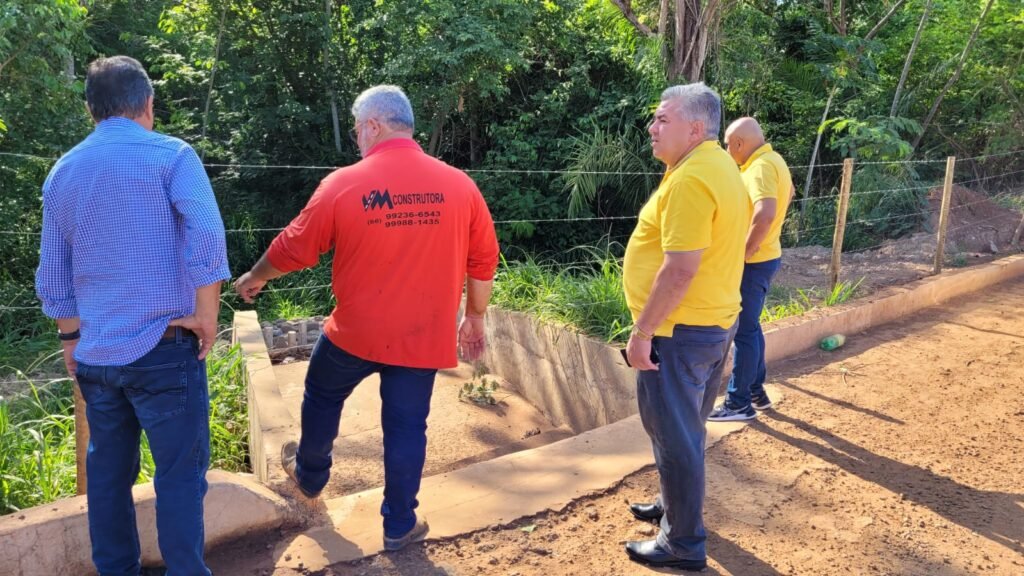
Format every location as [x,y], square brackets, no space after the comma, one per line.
[131,262]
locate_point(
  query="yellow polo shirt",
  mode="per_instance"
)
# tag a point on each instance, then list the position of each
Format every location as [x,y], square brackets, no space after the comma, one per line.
[766,175]
[701,204]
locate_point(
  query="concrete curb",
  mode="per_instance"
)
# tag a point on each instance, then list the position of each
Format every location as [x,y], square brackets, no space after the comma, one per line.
[592,386]
[54,539]
[270,423]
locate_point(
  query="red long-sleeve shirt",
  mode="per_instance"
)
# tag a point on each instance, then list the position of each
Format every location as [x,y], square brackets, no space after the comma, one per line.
[406,230]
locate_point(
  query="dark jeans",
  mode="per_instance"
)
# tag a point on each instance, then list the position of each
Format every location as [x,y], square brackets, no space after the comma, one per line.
[165,394]
[748,369]
[405,392]
[675,401]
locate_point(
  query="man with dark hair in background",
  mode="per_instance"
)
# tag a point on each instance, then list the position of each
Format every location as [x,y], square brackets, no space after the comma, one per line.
[130,266]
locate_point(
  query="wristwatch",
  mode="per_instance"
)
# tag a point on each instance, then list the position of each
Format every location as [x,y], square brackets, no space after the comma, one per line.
[75,335]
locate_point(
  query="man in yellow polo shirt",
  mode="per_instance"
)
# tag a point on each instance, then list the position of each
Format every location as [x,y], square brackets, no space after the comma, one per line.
[681,277]
[770,187]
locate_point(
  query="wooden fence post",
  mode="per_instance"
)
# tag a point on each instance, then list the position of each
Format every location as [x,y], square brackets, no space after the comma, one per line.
[947,194]
[81,438]
[837,236]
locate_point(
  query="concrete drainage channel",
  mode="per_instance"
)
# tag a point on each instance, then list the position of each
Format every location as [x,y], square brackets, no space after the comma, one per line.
[573,380]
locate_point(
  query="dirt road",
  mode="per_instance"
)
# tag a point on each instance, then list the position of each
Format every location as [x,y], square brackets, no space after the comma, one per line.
[901,453]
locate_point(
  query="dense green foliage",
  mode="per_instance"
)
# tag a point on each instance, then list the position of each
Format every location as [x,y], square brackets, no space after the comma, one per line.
[516,92]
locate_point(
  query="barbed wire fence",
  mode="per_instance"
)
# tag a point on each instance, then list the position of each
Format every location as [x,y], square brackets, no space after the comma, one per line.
[795,228]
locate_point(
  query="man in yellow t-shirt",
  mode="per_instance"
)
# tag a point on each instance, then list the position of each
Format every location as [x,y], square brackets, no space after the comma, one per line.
[681,277]
[770,187]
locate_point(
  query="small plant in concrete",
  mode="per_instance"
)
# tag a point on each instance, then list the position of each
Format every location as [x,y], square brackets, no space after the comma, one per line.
[479,389]
[843,291]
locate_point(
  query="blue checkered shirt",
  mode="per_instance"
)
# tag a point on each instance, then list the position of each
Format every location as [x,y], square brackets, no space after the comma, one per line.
[130,230]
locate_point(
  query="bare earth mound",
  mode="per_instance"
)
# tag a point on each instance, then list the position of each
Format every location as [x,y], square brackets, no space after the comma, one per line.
[976,226]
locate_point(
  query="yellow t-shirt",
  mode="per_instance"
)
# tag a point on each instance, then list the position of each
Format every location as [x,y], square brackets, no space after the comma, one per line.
[766,175]
[700,205]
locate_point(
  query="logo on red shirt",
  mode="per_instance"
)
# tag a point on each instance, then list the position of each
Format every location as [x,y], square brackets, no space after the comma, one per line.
[376,199]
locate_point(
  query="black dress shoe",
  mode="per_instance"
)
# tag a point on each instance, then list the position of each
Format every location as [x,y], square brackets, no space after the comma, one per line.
[650,553]
[647,512]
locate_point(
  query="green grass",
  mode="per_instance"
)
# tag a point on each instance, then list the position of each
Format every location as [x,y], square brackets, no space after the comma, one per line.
[783,302]
[842,292]
[37,432]
[37,446]
[588,297]
[28,341]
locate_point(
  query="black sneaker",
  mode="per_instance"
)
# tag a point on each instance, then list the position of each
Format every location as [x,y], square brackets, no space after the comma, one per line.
[288,455]
[726,413]
[761,401]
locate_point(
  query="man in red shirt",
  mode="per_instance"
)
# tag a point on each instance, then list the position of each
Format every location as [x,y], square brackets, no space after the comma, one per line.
[408,233]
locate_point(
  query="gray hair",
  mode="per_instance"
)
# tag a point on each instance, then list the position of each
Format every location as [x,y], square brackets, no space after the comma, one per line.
[117,86]
[697,102]
[385,103]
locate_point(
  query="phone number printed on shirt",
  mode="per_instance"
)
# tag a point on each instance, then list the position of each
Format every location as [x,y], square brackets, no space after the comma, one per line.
[412,222]
[408,215]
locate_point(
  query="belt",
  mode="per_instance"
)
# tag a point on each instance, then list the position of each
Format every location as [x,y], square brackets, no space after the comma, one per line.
[170,332]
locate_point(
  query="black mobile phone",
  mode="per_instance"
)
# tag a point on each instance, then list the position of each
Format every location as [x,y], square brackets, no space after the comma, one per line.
[655,359]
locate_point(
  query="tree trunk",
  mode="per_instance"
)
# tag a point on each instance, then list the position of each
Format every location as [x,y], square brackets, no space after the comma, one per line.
[956,75]
[910,58]
[436,128]
[209,89]
[878,27]
[814,153]
[474,149]
[684,42]
[663,14]
[330,91]
[692,21]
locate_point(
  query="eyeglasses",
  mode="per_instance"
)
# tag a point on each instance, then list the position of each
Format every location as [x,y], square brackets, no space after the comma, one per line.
[354,134]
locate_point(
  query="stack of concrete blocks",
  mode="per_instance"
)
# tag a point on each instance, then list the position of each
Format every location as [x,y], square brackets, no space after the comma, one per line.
[291,338]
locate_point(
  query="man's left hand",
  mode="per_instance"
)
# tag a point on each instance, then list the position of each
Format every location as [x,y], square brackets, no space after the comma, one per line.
[205,327]
[750,252]
[638,350]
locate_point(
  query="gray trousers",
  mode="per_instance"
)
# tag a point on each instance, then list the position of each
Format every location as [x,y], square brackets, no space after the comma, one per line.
[675,402]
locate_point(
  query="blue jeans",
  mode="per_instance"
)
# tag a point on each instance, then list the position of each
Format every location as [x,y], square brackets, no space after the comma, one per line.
[165,394]
[405,393]
[675,401]
[748,369]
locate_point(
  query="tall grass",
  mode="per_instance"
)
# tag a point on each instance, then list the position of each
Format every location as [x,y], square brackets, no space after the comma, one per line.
[37,446]
[229,416]
[37,432]
[586,296]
